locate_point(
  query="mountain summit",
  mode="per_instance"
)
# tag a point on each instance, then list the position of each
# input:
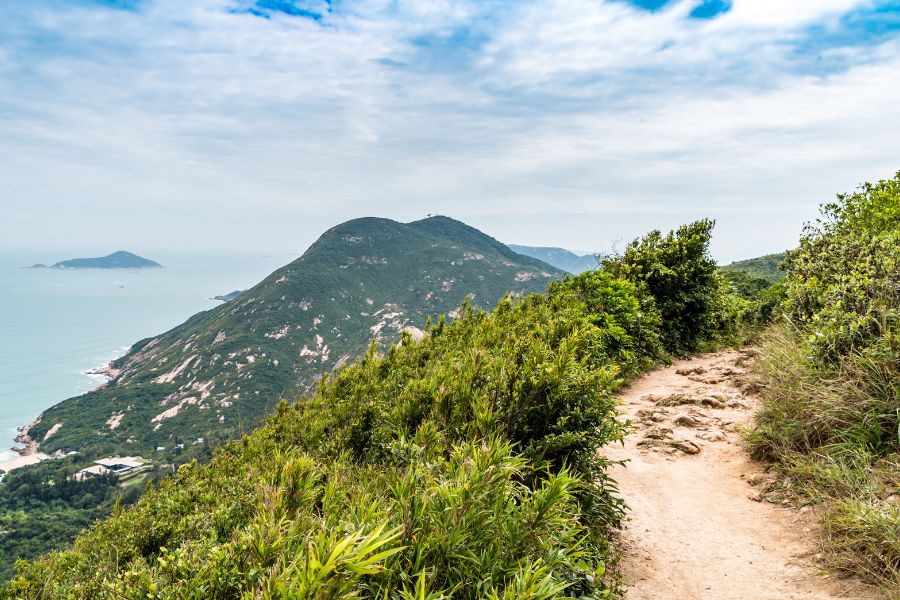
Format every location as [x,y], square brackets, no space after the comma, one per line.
[221,371]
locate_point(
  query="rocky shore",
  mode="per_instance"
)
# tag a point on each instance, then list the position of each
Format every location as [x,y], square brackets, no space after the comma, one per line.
[29,446]
[107,371]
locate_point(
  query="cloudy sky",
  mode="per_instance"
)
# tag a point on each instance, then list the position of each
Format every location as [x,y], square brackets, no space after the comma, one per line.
[213,124]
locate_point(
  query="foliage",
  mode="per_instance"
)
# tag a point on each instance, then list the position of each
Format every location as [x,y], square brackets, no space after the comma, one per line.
[832,372]
[362,278]
[463,465]
[226,368]
[766,268]
[677,277]
[43,505]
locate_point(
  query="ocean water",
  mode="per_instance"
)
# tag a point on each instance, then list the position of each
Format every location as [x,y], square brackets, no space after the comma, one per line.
[55,325]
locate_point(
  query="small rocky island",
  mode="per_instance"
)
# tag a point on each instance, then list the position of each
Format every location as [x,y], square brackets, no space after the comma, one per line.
[116,260]
[229,296]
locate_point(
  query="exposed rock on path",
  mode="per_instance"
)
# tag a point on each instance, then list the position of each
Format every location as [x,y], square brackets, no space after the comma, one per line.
[697,530]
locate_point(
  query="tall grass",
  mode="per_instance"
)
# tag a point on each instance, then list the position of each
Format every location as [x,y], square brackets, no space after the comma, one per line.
[833,434]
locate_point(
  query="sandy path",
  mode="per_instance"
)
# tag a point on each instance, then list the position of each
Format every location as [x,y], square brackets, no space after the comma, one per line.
[695,532]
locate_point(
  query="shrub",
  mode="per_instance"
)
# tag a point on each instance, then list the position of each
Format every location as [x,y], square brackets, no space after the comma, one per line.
[831,415]
[464,464]
[675,275]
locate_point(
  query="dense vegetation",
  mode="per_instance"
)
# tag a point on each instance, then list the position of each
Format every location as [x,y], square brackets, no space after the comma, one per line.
[768,268]
[831,367]
[219,373]
[679,280]
[362,279]
[43,507]
[462,464]
[45,504]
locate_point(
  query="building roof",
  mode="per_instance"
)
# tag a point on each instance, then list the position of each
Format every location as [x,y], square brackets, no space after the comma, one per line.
[95,470]
[132,462]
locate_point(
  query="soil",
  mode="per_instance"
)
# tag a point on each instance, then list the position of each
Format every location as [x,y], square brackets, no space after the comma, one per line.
[700,526]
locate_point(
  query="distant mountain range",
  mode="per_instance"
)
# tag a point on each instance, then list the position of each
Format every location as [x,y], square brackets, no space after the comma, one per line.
[559,257]
[223,370]
[116,260]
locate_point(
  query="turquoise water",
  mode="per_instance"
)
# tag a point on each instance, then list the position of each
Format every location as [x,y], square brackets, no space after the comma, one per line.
[55,325]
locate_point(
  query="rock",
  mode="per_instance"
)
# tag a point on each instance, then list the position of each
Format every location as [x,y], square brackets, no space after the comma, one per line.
[760,480]
[712,402]
[690,371]
[687,421]
[713,435]
[657,433]
[686,446]
[676,400]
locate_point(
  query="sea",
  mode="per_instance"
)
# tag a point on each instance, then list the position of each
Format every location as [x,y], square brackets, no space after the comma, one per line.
[55,325]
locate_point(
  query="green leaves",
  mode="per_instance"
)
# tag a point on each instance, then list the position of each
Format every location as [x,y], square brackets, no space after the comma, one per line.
[464,464]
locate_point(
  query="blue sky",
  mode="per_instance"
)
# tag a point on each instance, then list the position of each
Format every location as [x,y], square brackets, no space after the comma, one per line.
[251,125]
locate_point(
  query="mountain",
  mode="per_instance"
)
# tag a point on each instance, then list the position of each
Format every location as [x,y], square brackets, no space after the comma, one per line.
[559,258]
[750,277]
[222,370]
[763,267]
[116,260]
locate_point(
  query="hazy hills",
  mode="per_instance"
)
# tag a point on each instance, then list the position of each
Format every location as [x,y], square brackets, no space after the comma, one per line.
[223,369]
[559,257]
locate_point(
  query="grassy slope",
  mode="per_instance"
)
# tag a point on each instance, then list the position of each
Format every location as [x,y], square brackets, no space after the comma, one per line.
[463,464]
[365,278]
[831,369]
[418,270]
[762,267]
[446,456]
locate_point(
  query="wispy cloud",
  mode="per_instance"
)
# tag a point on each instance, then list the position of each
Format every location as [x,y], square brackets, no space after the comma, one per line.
[287,113]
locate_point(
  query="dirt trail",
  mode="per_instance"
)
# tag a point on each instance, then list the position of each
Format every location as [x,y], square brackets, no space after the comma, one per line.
[695,530]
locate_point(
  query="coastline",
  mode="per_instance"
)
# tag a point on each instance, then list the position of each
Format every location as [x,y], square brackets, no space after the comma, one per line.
[107,372]
[29,451]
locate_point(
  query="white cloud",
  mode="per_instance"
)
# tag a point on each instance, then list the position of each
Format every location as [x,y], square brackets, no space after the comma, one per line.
[569,106]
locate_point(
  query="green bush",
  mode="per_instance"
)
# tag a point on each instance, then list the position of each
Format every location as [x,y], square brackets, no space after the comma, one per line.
[831,415]
[675,275]
[464,464]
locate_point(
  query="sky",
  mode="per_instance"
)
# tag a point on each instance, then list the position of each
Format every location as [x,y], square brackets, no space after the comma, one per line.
[254,125]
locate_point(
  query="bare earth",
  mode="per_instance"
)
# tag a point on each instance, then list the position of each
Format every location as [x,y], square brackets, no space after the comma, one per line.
[696,530]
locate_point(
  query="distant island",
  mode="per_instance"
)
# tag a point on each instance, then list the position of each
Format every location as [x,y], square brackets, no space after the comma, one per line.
[116,260]
[229,296]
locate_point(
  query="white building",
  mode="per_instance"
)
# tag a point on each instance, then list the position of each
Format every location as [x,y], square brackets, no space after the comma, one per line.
[114,464]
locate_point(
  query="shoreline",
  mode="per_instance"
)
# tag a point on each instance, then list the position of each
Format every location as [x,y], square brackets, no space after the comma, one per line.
[29,453]
[29,450]
[30,446]
[107,371]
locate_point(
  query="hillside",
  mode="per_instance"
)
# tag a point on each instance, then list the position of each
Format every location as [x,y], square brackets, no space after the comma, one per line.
[752,277]
[222,370]
[559,257]
[763,267]
[116,260]
[464,464]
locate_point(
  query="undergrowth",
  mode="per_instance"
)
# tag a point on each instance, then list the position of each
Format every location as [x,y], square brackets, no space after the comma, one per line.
[831,369]
[463,465]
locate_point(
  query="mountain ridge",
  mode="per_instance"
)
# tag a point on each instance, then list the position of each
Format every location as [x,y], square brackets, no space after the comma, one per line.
[223,369]
[559,257]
